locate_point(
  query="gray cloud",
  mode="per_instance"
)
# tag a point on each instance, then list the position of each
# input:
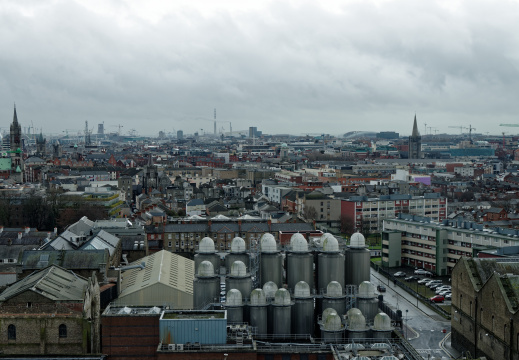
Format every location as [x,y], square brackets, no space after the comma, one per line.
[283,68]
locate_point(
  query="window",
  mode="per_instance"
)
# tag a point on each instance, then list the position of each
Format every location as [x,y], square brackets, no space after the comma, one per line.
[63,331]
[169,244]
[11,332]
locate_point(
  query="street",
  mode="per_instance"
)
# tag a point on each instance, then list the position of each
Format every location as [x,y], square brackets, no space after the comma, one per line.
[422,326]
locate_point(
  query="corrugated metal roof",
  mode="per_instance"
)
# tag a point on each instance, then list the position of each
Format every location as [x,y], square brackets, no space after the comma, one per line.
[161,267]
[53,282]
[35,259]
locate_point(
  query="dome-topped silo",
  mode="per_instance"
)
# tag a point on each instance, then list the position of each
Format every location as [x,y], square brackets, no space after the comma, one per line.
[207,252]
[382,328]
[206,285]
[281,313]
[300,262]
[303,310]
[357,328]
[330,263]
[367,301]
[234,306]
[238,253]
[258,312]
[271,262]
[239,278]
[270,289]
[332,328]
[334,298]
[357,259]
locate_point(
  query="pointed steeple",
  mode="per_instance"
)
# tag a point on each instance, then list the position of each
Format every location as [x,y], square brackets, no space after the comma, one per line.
[415,128]
[15,117]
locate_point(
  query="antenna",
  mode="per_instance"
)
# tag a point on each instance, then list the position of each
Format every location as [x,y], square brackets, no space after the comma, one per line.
[215,121]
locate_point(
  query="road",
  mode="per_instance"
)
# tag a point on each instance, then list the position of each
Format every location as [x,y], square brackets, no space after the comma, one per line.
[422,326]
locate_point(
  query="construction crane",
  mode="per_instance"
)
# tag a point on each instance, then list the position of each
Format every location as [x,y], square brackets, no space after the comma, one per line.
[119,126]
[470,133]
[459,127]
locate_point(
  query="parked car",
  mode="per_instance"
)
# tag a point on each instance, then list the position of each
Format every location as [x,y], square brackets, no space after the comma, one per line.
[440,289]
[399,274]
[423,281]
[381,288]
[431,282]
[428,273]
[437,299]
[420,272]
[433,286]
[448,296]
[445,293]
[411,278]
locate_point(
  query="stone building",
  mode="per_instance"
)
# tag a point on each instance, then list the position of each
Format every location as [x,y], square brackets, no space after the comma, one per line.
[485,304]
[52,311]
[16,149]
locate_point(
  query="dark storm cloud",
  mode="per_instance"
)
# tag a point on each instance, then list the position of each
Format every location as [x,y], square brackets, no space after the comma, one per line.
[284,68]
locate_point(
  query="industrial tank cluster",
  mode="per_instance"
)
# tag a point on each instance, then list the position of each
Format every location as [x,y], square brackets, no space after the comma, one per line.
[300,292]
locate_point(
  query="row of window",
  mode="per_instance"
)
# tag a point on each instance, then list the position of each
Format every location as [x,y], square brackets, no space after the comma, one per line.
[11,331]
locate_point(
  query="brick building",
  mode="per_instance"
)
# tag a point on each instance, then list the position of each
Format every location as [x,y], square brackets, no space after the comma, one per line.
[53,311]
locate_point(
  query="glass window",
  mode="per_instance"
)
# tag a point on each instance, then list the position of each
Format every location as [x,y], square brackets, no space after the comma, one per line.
[11,332]
[63,331]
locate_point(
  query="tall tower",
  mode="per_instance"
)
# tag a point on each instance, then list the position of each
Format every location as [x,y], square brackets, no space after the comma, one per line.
[415,143]
[40,145]
[215,122]
[16,149]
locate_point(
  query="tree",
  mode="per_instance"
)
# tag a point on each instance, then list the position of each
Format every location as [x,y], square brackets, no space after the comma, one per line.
[347,224]
[310,213]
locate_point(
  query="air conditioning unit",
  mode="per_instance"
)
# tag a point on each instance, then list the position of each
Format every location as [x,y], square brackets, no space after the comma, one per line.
[180,347]
[171,346]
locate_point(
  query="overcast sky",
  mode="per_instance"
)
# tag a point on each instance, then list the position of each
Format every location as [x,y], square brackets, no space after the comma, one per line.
[283,66]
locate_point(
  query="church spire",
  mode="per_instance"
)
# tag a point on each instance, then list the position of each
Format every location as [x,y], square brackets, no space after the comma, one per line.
[15,117]
[415,128]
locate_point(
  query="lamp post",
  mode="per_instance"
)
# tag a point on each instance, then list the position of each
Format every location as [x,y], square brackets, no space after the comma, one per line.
[406,311]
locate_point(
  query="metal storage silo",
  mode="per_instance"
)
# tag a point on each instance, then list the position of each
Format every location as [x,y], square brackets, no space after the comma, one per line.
[334,298]
[382,328]
[330,263]
[357,259]
[300,263]
[207,252]
[270,289]
[303,310]
[367,301]
[332,328]
[234,307]
[239,279]
[206,285]
[271,268]
[357,328]
[258,312]
[238,253]
[281,307]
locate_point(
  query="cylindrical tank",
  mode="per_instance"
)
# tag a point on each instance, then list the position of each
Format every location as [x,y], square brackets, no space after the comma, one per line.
[234,307]
[281,313]
[367,301]
[382,328]
[258,312]
[332,328]
[357,258]
[239,278]
[302,310]
[270,289]
[271,262]
[300,263]
[334,298]
[238,253]
[330,263]
[357,328]
[206,285]
[207,252]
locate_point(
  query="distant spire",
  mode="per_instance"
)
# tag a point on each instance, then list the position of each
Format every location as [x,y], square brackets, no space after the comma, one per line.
[15,117]
[415,128]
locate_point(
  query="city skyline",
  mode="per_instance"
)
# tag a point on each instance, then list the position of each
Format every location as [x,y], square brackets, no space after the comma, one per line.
[284,67]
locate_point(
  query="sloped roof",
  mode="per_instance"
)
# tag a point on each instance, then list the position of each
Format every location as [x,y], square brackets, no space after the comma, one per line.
[78,259]
[53,282]
[161,267]
[82,226]
[102,240]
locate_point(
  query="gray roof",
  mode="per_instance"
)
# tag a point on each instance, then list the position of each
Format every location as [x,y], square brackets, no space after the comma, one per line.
[74,260]
[53,282]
